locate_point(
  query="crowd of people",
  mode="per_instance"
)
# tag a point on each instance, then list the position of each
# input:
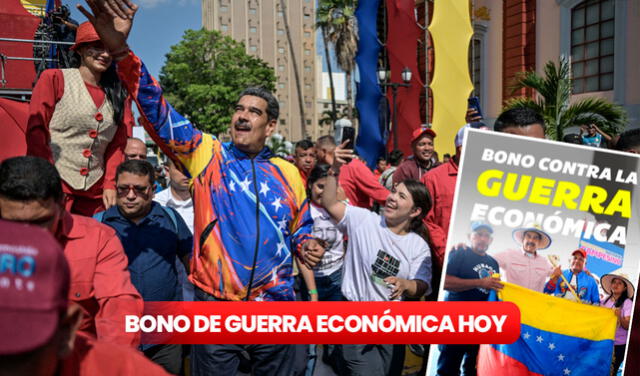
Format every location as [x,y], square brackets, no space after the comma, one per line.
[234,223]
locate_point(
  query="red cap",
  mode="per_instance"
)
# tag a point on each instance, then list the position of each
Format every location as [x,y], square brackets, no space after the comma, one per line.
[86,33]
[34,283]
[580,251]
[419,132]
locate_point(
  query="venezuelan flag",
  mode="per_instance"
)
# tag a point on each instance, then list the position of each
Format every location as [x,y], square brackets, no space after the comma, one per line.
[557,337]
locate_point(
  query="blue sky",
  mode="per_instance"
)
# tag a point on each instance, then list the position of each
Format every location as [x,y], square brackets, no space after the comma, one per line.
[158,25]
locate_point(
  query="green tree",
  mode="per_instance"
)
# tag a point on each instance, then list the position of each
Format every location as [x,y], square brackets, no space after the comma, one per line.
[553,102]
[337,19]
[204,74]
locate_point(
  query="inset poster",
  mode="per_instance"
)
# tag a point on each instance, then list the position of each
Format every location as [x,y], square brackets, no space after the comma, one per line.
[558,224]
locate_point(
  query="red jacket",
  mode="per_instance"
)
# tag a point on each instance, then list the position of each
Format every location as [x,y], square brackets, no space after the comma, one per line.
[94,358]
[360,184]
[411,169]
[100,281]
[441,183]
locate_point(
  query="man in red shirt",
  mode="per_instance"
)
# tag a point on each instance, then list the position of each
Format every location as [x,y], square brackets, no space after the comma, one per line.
[31,192]
[305,158]
[38,325]
[422,159]
[356,179]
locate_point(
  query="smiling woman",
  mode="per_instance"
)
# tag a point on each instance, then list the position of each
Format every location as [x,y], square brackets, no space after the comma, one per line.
[79,120]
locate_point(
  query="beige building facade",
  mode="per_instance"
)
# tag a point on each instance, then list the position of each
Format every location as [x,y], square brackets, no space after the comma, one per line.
[260,24]
[600,37]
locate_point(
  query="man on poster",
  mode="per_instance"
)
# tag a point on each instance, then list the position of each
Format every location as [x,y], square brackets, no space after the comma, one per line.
[469,278]
[525,267]
[583,286]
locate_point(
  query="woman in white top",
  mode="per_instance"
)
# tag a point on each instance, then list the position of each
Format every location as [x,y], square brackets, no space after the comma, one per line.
[387,258]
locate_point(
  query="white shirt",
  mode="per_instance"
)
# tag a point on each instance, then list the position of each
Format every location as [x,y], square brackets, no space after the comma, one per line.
[325,228]
[184,208]
[374,252]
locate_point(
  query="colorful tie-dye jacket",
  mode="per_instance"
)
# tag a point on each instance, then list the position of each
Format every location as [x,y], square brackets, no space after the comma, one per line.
[247,211]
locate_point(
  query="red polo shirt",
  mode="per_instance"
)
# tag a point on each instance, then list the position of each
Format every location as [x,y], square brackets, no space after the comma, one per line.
[360,185]
[100,281]
[441,183]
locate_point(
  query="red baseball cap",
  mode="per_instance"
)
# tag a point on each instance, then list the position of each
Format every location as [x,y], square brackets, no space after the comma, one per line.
[420,131]
[86,33]
[34,283]
[580,251]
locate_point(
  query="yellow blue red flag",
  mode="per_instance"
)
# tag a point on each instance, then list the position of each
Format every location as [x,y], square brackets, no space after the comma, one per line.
[557,337]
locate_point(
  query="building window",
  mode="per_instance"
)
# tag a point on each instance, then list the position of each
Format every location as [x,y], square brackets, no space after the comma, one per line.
[592,38]
[308,121]
[280,32]
[253,48]
[281,68]
[253,29]
[475,68]
[281,85]
[307,104]
[307,69]
[280,14]
[224,28]
[282,121]
[307,52]
[281,50]
[307,34]
[252,11]
[224,9]
[307,86]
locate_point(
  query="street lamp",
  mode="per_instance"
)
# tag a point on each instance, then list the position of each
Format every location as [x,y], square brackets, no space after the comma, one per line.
[406,77]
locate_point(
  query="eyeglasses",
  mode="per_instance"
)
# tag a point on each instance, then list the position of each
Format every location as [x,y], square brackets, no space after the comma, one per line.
[123,190]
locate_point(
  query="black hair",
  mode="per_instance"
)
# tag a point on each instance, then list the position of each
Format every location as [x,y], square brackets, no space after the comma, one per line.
[395,157]
[422,200]
[624,296]
[273,108]
[518,117]
[320,171]
[113,88]
[304,144]
[137,167]
[381,159]
[446,155]
[29,178]
[629,140]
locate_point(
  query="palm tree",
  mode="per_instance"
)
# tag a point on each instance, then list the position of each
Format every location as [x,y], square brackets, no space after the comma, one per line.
[321,23]
[337,17]
[553,102]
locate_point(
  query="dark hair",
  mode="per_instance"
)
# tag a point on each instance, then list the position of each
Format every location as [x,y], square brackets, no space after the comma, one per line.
[381,159]
[624,296]
[395,157]
[320,171]
[326,141]
[518,117]
[273,108]
[629,140]
[137,167]
[29,178]
[304,144]
[113,88]
[447,155]
[422,200]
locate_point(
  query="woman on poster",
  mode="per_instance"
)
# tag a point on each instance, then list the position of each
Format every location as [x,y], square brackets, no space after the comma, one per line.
[620,291]
[79,119]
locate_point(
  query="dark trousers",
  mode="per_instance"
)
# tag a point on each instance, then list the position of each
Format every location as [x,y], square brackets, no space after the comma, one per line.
[452,355]
[264,360]
[372,360]
[168,357]
[330,287]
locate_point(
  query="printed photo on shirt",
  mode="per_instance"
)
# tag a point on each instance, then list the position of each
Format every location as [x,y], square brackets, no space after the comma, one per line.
[551,227]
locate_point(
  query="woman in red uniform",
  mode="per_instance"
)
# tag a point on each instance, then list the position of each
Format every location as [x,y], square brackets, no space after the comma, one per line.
[79,119]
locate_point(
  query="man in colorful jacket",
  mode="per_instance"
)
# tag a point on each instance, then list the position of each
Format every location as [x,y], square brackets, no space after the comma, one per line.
[251,212]
[584,285]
